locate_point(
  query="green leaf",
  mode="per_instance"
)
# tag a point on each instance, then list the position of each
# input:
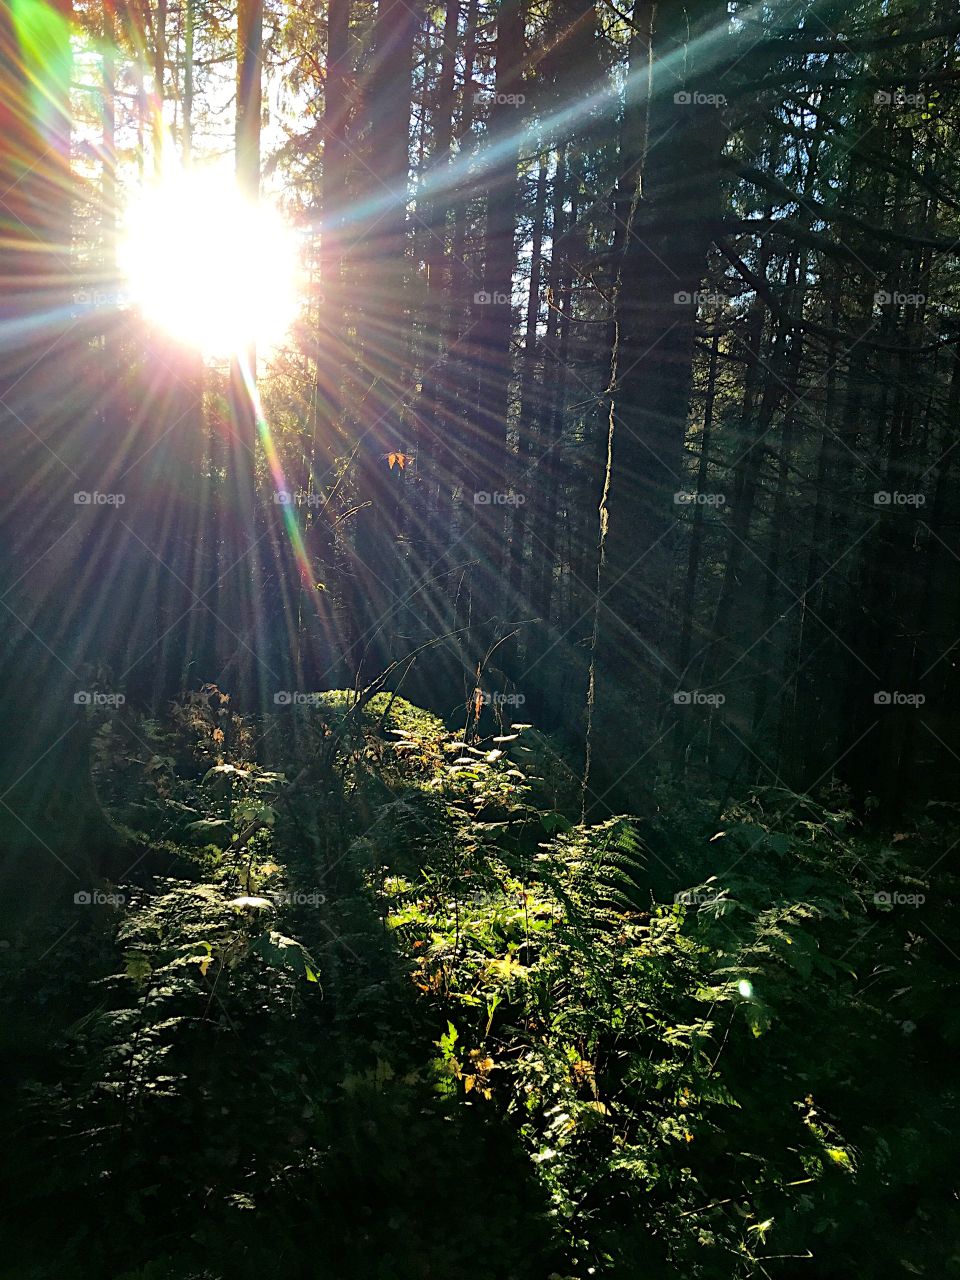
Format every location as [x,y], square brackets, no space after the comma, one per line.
[286,953]
[448,1039]
[138,967]
[210,830]
[554,822]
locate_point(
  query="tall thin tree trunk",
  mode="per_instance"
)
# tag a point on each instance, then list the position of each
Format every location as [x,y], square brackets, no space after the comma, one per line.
[529,392]
[545,498]
[672,225]
[384,332]
[246,611]
[687,612]
[494,332]
[189,26]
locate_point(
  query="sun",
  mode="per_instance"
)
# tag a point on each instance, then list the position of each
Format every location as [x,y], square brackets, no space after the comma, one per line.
[214,270]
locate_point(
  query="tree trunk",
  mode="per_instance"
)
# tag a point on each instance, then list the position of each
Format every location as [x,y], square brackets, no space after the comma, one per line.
[673,221]
[493,339]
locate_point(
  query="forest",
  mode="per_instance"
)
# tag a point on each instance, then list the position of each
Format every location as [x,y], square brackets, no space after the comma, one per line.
[479,638]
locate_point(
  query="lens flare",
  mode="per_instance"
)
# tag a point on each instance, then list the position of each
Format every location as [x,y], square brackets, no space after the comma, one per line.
[214,270]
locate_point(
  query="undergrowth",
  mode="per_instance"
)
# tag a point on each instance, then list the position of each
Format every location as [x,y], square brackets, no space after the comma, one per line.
[371,1001]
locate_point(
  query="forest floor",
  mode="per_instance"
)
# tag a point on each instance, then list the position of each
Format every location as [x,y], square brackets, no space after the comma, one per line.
[371,1002]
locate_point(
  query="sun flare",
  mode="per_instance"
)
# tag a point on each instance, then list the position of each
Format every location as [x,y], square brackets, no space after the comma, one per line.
[211,268]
